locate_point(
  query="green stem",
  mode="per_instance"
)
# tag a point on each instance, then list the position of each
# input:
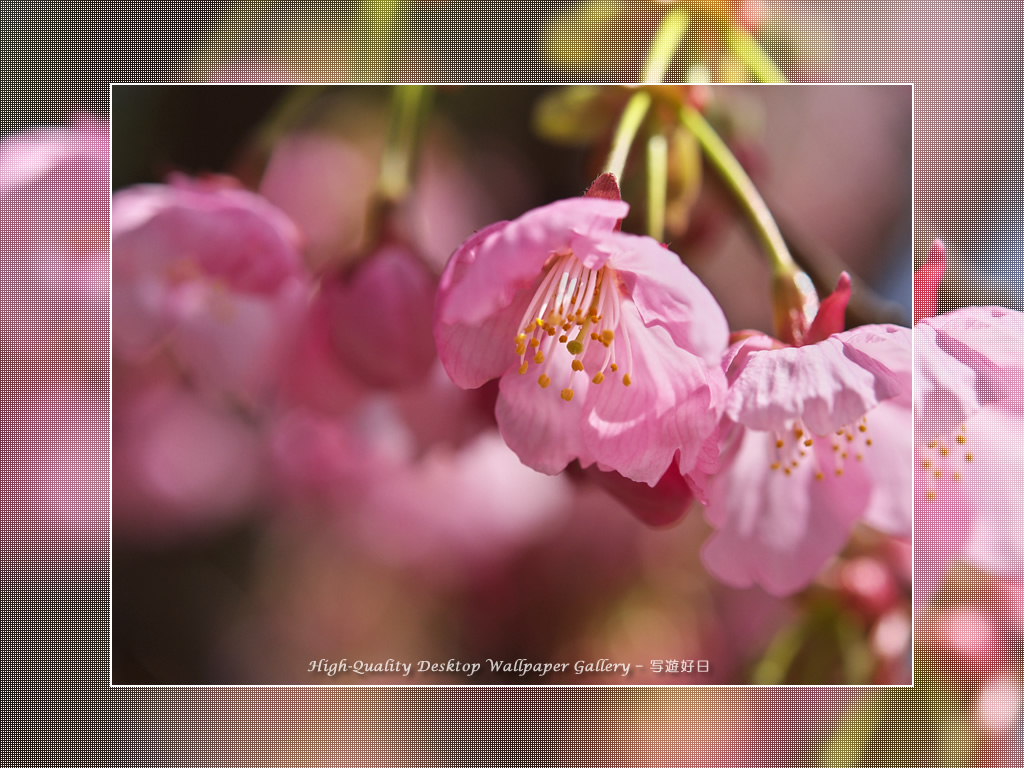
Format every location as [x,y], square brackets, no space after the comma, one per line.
[408,108]
[657,185]
[630,122]
[743,188]
[749,51]
[665,44]
[377,27]
[663,50]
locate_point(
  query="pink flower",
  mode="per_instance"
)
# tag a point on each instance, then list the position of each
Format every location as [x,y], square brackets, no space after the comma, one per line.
[815,438]
[967,382]
[212,271]
[606,346]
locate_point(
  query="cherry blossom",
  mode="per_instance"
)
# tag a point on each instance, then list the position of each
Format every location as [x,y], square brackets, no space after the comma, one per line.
[815,438]
[605,344]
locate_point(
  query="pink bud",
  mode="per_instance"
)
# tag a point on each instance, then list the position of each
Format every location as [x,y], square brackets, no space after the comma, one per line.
[380,316]
[927,280]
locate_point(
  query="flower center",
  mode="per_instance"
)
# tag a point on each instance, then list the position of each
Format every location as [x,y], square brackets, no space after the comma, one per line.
[943,460]
[794,447]
[580,308]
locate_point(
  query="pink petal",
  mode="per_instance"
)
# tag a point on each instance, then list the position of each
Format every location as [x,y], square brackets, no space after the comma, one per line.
[889,463]
[669,295]
[963,361]
[927,280]
[829,384]
[511,257]
[994,488]
[671,406]
[541,428]
[942,527]
[780,530]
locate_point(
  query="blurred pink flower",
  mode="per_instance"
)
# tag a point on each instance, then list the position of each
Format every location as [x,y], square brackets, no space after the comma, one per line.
[967,399]
[181,464]
[449,509]
[815,438]
[325,181]
[379,316]
[214,272]
[54,200]
[606,346]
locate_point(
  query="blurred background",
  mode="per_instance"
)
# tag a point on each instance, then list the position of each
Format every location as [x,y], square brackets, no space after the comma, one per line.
[961,57]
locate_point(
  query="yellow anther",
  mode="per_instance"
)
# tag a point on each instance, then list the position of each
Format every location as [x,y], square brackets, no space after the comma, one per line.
[523,367]
[868,441]
[779,443]
[839,471]
[932,444]
[835,447]
[944,451]
[863,427]
[798,433]
[931,495]
[534,342]
[607,335]
[938,475]
[563,338]
[520,338]
[860,457]
[849,437]
[627,380]
[819,475]
[567,394]
[775,465]
[577,365]
[614,367]
[961,439]
[968,457]
[808,442]
[538,358]
[598,377]
[544,380]
[788,471]
[926,464]
[520,349]
[594,336]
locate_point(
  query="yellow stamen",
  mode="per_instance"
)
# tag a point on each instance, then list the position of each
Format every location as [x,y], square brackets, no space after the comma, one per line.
[544,380]
[538,358]
[523,367]
[627,380]
[598,377]
[567,394]
[577,365]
